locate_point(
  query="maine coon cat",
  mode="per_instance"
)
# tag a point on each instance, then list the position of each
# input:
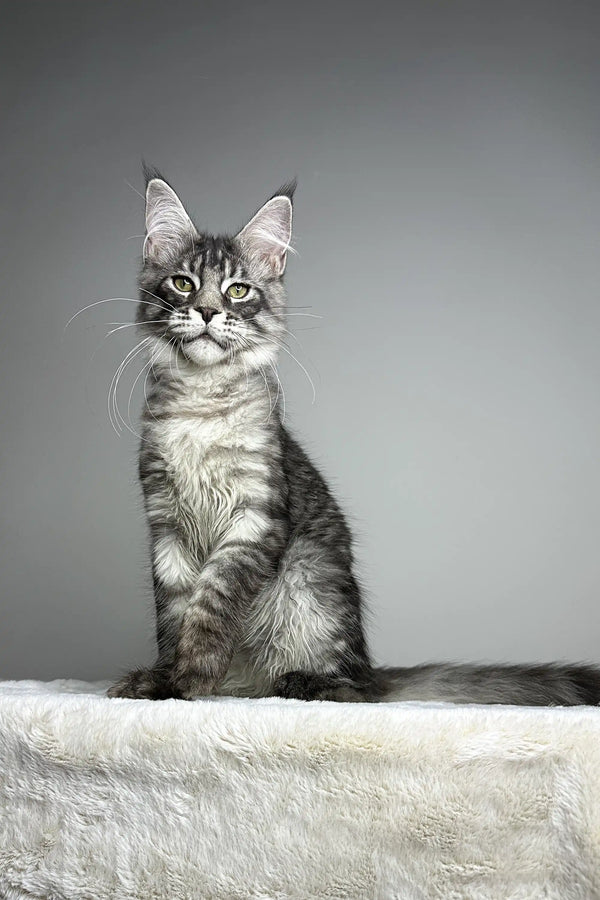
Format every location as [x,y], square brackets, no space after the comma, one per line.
[252,562]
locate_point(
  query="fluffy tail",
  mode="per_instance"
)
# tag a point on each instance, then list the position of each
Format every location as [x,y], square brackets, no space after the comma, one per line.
[519,685]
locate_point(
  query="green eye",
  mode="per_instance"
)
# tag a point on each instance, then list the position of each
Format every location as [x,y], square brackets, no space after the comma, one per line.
[183,284]
[237,291]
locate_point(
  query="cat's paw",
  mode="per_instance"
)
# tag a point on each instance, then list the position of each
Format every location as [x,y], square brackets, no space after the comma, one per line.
[191,685]
[297,686]
[143,684]
[312,686]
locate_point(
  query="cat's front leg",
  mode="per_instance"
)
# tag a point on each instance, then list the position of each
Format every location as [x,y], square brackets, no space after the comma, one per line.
[195,626]
[176,576]
[206,643]
[211,619]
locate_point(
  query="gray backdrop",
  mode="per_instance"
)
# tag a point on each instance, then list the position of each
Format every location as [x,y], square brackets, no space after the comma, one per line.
[447,224]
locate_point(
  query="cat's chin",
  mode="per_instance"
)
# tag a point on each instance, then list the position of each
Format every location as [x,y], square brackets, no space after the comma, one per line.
[203,351]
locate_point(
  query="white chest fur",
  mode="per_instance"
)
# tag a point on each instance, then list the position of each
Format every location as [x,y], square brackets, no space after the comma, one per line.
[214,454]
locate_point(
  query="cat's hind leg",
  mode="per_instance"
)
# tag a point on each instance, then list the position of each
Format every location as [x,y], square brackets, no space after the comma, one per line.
[305,628]
[312,686]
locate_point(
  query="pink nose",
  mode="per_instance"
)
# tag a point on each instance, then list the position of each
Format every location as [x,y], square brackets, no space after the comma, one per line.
[207,313]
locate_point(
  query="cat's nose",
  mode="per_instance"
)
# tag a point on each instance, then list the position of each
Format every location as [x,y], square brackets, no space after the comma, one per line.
[207,313]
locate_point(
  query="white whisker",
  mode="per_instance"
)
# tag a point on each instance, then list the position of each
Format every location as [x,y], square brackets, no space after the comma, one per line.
[173,352]
[134,325]
[279,387]
[271,404]
[137,378]
[247,343]
[113,408]
[145,386]
[156,297]
[135,190]
[287,316]
[115,300]
[153,359]
[287,350]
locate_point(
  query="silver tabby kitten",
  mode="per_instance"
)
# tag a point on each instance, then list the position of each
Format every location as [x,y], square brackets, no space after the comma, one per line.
[252,561]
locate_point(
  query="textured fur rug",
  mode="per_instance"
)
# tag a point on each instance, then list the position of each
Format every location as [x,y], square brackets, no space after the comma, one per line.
[227,799]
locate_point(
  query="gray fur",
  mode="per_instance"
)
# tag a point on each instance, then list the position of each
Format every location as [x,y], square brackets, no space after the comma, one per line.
[253,569]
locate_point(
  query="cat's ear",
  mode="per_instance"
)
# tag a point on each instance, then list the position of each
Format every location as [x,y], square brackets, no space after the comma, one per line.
[266,237]
[169,229]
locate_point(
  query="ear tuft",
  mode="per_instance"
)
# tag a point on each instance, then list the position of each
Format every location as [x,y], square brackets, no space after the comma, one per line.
[169,229]
[287,190]
[149,172]
[267,236]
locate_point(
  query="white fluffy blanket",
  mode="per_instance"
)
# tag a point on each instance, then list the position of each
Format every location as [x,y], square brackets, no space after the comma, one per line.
[226,799]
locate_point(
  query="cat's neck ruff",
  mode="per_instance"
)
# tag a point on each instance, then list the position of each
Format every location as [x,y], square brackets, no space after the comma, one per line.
[228,390]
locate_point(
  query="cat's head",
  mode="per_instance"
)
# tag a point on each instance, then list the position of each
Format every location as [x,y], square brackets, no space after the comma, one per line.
[215,300]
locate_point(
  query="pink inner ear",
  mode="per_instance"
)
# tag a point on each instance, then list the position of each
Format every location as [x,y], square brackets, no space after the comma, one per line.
[168,226]
[151,248]
[267,235]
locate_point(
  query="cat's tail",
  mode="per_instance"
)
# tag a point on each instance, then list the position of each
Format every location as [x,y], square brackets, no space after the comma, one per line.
[553,684]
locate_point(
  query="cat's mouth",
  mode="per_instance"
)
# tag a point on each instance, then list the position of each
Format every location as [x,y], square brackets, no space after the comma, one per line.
[204,337]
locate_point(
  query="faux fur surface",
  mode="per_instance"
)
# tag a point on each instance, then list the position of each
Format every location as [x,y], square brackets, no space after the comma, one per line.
[231,799]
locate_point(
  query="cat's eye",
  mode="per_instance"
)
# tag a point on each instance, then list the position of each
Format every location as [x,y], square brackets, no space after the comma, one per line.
[183,284]
[237,291]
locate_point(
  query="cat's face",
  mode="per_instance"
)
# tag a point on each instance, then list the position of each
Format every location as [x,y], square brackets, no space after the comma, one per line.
[213,300]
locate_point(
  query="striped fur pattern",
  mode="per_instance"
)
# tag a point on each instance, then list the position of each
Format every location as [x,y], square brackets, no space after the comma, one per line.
[252,560]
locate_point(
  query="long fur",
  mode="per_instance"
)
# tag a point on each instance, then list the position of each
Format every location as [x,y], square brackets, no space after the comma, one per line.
[253,569]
